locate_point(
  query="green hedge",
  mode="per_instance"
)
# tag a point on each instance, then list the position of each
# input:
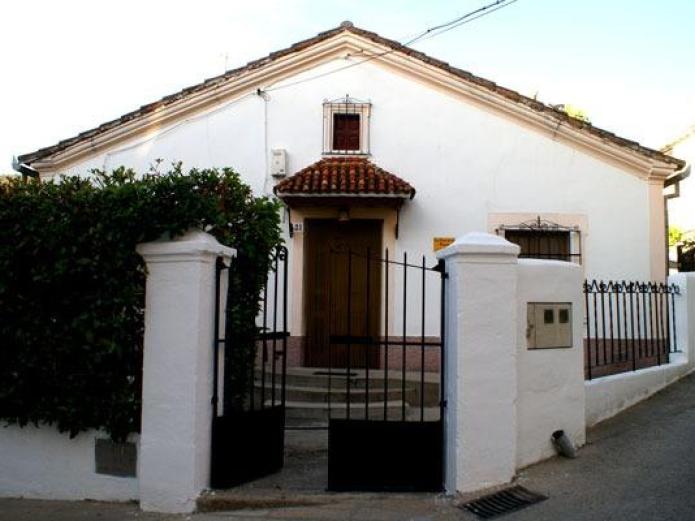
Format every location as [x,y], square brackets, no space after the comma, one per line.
[72,285]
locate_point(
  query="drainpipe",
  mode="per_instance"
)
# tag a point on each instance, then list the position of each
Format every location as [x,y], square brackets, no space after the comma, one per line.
[24,169]
[674,181]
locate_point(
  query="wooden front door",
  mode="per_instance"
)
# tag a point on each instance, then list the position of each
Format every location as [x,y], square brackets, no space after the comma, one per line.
[342,291]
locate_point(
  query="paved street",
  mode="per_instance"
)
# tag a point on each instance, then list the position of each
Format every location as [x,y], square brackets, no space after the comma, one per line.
[638,466]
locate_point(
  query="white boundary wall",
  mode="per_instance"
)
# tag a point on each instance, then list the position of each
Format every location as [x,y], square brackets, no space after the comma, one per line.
[550,382]
[43,463]
[503,400]
[607,396]
[173,450]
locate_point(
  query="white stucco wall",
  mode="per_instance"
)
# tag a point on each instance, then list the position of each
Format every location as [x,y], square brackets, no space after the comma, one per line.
[465,162]
[43,463]
[480,357]
[607,396]
[550,382]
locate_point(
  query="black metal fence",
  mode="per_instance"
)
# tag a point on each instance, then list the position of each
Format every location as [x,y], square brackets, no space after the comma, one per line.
[630,325]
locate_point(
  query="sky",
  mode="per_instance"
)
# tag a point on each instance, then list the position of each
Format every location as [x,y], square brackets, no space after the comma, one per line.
[71,65]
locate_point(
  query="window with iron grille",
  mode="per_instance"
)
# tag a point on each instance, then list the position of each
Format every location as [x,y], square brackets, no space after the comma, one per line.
[346,126]
[542,239]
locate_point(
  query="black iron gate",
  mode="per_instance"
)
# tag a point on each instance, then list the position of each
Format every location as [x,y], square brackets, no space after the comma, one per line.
[248,395]
[385,427]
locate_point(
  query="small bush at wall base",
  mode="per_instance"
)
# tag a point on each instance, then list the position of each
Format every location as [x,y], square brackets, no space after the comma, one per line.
[72,285]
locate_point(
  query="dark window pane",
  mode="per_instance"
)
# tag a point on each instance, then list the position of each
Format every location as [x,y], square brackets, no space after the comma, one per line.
[346,131]
[541,244]
[548,316]
[564,316]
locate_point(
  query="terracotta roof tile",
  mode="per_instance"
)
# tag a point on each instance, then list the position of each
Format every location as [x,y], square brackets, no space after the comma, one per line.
[341,176]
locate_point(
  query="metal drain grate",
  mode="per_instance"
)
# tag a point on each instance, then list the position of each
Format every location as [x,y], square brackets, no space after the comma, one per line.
[503,502]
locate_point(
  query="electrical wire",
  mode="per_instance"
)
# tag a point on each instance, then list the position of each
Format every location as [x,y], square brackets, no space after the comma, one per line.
[460,22]
[425,35]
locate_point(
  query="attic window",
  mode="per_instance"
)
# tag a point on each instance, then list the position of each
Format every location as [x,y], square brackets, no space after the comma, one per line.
[346,126]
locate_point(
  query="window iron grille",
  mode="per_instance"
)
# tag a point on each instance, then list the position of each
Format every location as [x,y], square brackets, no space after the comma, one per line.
[346,126]
[543,239]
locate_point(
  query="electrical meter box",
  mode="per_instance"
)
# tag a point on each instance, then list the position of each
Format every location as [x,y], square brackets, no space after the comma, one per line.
[278,163]
[549,325]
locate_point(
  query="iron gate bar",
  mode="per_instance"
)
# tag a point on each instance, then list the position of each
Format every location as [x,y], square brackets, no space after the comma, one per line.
[369,340]
[610,311]
[405,307]
[588,329]
[657,320]
[330,366]
[264,356]
[645,350]
[673,306]
[386,335]
[219,266]
[441,268]
[366,351]
[285,333]
[629,340]
[632,326]
[275,317]
[349,329]
[639,321]
[422,346]
[595,327]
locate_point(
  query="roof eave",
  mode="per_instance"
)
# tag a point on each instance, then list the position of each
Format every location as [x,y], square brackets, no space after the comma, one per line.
[646,162]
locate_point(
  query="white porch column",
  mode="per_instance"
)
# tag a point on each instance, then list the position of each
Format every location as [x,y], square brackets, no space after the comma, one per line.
[174,462]
[480,360]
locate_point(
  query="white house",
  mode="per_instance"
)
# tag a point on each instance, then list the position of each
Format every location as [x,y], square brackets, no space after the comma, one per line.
[372,145]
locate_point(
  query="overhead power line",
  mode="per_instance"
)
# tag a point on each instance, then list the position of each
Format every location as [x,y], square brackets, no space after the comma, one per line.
[424,35]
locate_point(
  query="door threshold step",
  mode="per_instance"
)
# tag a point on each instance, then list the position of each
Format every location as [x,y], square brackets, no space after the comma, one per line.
[342,405]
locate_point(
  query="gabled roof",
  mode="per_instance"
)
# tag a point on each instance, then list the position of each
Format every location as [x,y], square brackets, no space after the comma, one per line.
[344,177]
[257,73]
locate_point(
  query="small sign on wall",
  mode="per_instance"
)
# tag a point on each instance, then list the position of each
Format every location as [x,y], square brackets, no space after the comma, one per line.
[297,227]
[439,243]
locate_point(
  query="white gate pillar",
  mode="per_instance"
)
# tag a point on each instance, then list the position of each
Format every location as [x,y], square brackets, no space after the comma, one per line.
[480,361]
[174,462]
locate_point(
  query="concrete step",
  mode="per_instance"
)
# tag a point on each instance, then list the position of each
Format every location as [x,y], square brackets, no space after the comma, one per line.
[318,377]
[358,395]
[297,412]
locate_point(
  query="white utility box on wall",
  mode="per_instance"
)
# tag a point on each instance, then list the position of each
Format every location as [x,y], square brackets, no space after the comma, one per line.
[549,325]
[278,162]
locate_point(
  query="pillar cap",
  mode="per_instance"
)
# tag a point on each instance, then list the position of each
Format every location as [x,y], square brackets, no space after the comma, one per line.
[194,242]
[476,243]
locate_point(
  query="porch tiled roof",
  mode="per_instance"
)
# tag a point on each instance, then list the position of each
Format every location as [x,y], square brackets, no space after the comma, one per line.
[344,176]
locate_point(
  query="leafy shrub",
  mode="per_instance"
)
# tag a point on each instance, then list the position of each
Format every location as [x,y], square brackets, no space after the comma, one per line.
[72,285]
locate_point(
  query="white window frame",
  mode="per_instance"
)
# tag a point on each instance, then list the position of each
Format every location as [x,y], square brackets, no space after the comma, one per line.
[346,105]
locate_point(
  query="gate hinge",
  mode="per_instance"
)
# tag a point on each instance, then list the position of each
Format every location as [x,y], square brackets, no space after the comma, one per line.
[443,403]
